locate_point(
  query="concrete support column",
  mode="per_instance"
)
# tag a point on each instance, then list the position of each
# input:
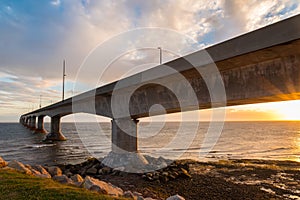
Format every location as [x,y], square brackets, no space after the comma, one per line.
[32,123]
[40,128]
[125,147]
[55,134]
[124,135]
[27,122]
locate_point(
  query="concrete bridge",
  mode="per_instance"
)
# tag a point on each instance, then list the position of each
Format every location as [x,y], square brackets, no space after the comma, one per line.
[260,66]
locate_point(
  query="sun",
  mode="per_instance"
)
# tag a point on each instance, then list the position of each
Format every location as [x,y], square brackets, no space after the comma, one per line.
[289,110]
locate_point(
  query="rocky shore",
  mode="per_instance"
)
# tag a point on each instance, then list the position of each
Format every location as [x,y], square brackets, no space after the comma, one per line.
[183,179]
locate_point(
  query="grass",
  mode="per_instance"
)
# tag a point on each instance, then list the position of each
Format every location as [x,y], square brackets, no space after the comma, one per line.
[18,186]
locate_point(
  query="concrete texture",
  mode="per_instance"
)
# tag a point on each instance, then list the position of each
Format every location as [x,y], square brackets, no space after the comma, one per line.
[40,127]
[260,66]
[55,133]
[124,135]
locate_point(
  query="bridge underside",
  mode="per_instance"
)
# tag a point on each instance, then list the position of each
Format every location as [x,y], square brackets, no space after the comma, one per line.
[254,68]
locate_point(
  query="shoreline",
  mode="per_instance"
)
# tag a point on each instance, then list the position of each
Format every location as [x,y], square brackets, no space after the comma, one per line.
[191,179]
[223,179]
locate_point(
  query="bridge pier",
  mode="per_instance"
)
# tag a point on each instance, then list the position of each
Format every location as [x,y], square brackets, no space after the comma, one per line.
[26,122]
[124,135]
[40,128]
[32,123]
[125,152]
[22,121]
[55,133]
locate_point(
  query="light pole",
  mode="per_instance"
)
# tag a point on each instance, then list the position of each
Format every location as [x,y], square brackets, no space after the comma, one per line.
[64,75]
[40,101]
[160,55]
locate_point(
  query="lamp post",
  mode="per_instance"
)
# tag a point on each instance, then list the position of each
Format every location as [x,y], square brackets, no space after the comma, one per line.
[64,75]
[160,55]
[40,101]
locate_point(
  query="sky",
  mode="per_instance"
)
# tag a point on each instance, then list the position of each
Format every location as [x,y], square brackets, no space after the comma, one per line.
[36,36]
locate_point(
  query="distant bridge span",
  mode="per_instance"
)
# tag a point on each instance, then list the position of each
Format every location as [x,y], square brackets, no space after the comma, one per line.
[260,66]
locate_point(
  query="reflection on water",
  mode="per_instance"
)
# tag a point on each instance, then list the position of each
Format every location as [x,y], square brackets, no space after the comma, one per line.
[239,140]
[297,145]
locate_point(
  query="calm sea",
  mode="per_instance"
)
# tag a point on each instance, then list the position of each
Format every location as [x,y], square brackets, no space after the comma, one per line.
[238,140]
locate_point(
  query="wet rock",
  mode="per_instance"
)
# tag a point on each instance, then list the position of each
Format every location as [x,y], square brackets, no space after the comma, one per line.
[3,163]
[102,187]
[54,171]
[19,167]
[77,180]
[62,179]
[175,197]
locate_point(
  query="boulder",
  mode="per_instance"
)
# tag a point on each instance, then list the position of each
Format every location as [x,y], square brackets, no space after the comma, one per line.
[128,194]
[105,170]
[19,167]
[54,171]
[43,172]
[34,172]
[102,187]
[77,180]
[62,179]
[175,197]
[3,163]
[138,196]
[92,171]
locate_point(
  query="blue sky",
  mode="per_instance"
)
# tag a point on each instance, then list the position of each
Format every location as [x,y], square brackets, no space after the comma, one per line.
[35,36]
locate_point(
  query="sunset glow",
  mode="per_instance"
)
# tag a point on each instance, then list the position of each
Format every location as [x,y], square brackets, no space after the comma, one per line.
[289,110]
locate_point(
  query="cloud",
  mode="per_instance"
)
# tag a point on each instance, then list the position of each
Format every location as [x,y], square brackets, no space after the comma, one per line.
[37,35]
[56,2]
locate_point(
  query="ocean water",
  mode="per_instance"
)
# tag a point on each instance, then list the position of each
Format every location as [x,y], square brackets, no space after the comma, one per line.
[238,140]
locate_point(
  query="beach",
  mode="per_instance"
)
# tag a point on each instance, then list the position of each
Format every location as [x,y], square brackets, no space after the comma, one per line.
[228,179]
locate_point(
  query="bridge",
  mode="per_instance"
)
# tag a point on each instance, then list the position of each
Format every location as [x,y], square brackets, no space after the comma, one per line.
[260,66]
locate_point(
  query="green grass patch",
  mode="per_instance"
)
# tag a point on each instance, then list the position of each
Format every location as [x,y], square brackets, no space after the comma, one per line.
[18,186]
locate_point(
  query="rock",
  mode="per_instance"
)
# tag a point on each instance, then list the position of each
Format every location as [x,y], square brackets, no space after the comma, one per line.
[185,173]
[132,162]
[102,187]
[34,172]
[3,163]
[176,197]
[138,196]
[62,179]
[19,167]
[77,180]
[43,172]
[105,170]
[97,188]
[54,171]
[128,194]
[92,171]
